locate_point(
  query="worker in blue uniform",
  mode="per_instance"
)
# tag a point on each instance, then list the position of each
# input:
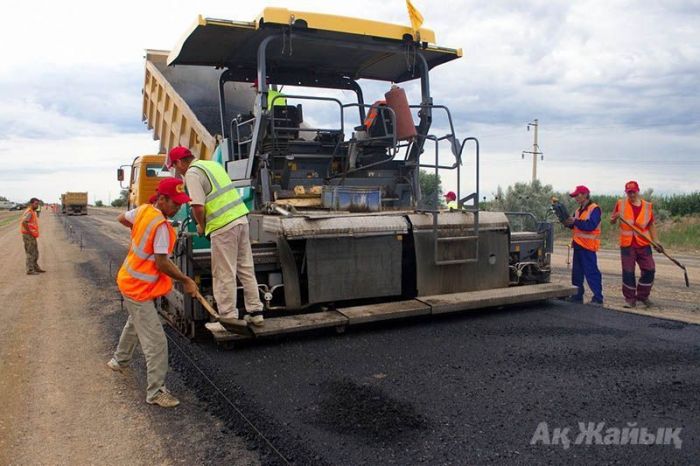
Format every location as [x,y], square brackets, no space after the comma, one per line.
[585,226]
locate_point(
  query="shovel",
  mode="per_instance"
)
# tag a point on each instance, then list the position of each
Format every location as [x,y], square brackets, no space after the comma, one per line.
[657,246]
[237,326]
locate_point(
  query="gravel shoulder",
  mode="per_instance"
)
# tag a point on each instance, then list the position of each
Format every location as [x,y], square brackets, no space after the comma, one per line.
[60,403]
[672,300]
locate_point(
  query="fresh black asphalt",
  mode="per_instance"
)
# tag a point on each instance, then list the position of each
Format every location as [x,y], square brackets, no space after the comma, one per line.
[464,389]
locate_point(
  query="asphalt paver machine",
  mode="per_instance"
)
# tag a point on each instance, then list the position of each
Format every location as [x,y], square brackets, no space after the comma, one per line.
[341,232]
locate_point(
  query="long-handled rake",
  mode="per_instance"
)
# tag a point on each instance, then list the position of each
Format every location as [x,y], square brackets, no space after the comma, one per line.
[658,247]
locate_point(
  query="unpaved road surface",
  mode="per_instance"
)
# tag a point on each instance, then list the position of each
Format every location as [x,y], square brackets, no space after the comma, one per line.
[467,389]
[59,403]
[671,298]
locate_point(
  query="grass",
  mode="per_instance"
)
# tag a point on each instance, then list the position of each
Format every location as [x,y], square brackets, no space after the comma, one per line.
[676,234]
[9,218]
[682,233]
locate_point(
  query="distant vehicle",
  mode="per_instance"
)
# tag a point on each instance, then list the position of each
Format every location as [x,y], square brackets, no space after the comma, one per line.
[17,207]
[6,205]
[74,203]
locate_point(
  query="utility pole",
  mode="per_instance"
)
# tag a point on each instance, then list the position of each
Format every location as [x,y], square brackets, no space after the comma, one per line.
[535,150]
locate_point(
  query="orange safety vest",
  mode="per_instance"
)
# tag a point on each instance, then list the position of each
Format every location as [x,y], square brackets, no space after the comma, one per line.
[587,239]
[624,207]
[32,227]
[139,278]
[373,112]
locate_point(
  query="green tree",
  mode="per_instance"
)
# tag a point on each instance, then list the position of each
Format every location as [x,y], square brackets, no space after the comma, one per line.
[99,204]
[122,200]
[534,197]
[431,190]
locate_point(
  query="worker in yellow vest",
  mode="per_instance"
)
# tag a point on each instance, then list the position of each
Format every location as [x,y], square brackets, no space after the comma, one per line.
[145,275]
[274,98]
[585,227]
[222,215]
[451,200]
[634,249]
[29,227]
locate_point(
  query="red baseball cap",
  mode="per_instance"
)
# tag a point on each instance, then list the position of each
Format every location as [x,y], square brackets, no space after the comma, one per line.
[451,195]
[581,189]
[175,154]
[632,186]
[172,187]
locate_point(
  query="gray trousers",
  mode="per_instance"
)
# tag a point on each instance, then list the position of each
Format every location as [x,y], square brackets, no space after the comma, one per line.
[231,259]
[31,248]
[143,326]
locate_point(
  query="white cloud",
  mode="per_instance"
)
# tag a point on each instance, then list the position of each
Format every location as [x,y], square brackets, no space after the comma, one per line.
[608,81]
[45,168]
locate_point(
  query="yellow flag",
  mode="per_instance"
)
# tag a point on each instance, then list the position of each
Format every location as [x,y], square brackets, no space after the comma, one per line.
[414,15]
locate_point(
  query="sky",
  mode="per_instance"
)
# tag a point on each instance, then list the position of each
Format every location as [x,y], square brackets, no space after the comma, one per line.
[614,85]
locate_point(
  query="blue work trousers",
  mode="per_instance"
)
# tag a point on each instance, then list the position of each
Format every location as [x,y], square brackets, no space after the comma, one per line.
[586,266]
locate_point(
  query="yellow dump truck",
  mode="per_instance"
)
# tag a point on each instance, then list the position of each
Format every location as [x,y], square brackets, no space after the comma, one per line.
[73,203]
[146,171]
[340,236]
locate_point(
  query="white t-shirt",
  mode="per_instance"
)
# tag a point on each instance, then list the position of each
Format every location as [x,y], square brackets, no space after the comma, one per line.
[161,242]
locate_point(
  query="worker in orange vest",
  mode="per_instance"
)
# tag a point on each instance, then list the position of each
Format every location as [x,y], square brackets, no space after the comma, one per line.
[29,227]
[585,227]
[634,249]
[145,275]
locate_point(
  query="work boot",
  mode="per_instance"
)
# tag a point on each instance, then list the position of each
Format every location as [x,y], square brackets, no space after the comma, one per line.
[255,318]
[595,302]
[32,272]
[115,366]
[575,299]
[629,304]
[233,324]
[647,303]
[41,270]
[164,400]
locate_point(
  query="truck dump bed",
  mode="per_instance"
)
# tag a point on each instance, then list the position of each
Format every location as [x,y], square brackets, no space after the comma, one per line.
[75,203]
[181,104]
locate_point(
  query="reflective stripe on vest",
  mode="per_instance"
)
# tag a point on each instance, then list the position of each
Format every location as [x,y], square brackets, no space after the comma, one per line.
[32,227]
[139,277]
[627,233]
[223,204]
[138,249]
[587,239]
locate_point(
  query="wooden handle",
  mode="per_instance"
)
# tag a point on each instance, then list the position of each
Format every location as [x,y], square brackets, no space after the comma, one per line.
[653,243]
[206,305]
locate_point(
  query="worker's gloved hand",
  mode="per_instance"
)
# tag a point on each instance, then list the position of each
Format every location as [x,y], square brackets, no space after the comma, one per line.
[613,217]
[190,286]
[659,248]
[569,222]
[200,230]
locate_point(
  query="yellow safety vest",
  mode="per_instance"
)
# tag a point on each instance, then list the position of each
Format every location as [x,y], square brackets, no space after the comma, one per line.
[271,94]
[453,205]
[223,204]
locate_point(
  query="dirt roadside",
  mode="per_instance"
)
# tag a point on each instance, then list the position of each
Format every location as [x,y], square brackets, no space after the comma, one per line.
[59,402]
[672,300]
